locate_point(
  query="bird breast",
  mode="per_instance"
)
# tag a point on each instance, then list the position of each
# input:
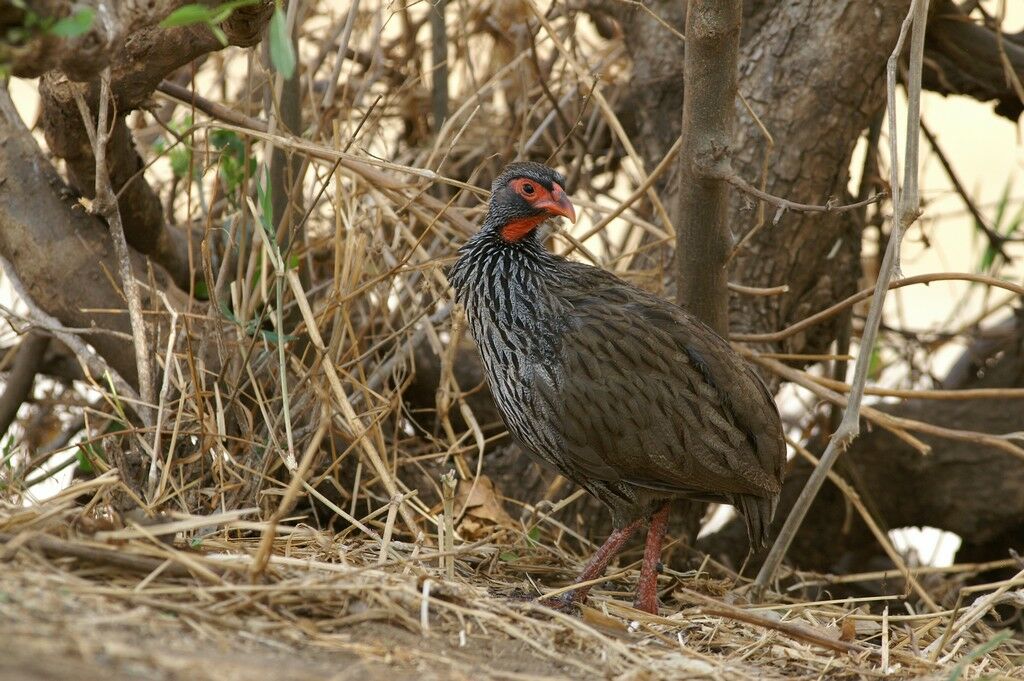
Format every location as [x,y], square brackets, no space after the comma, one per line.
[518,325]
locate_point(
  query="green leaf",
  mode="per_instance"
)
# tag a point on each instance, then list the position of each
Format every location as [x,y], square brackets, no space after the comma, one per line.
[234,164]
[988,257]
[875,364]
[74,25]
[181,159]
[266,207]
[508,556]
[187,15]
[282,52]
[533,536]
[202,291]
[219,34]
[228,313]
[8,452]
[222,12]
[84,463]
[273,337]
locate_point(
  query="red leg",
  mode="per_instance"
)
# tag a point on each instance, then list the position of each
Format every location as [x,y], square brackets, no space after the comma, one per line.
[647,588]
[599,561]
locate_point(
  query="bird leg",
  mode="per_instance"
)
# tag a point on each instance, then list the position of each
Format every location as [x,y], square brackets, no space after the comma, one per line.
[647,587]
[597,564]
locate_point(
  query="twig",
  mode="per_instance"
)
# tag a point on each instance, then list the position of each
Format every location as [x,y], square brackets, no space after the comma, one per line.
[978,610]
[906,208]
[291,494]
[713,607]
[55,547]
[995,239]
[853,498]
[106,205]
[640,191]
[343,50]
[613,121]
[448,507]
[210,108]
[924,394]
[833,310]
[898,425]
[439,54]
[764,291]
[348,418]
[785,204]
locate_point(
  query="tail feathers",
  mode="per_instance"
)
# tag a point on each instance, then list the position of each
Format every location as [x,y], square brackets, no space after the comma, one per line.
[757,514]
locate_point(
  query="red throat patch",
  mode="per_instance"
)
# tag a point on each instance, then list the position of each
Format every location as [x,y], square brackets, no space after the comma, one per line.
[517,229]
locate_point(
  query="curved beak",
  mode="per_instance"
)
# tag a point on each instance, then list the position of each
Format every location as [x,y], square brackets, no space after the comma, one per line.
[559,204]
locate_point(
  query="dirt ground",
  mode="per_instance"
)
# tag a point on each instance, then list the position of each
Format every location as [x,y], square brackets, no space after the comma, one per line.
[49,634]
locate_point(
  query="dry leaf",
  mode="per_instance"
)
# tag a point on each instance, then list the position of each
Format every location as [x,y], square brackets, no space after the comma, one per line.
[849,630]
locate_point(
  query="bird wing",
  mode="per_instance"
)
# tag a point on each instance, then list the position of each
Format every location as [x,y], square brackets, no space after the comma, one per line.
[653,397]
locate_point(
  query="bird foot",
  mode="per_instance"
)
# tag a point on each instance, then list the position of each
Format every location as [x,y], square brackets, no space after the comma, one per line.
[647,603]
[567,603]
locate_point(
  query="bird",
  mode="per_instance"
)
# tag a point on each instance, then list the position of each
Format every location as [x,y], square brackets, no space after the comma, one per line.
[628,395]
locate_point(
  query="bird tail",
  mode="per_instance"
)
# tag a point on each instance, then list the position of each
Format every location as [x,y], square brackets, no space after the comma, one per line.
[757,514]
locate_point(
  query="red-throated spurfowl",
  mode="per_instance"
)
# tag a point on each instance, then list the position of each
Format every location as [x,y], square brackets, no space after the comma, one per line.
[626,394]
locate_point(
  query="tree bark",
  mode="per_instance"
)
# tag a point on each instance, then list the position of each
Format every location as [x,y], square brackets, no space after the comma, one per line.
[18,388]
[62,254]
[703,239]
[965,58]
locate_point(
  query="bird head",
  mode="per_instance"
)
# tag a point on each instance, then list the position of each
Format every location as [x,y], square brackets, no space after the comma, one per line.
[525,195]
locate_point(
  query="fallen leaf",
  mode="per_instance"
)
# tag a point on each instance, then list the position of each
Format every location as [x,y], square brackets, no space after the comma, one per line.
[849,630]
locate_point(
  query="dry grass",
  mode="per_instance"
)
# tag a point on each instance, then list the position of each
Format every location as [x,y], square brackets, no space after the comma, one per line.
[293,513]
[193,582]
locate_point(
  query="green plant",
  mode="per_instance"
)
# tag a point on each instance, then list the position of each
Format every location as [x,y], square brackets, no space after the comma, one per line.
[235,164]
[71,26]
[1000,225]
[213,17]
[180,153]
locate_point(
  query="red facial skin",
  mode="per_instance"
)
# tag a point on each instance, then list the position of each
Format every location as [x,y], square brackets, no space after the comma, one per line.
[552,203]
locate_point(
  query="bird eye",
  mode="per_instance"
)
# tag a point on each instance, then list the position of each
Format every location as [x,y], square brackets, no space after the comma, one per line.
[528,189]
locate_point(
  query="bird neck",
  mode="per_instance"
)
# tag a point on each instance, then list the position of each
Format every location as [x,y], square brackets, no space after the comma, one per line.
[493,273]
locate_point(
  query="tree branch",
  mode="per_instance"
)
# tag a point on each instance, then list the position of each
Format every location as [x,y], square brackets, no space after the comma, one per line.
[995,239]
[58,250]
[785,204]
[966,58]
[703,239]
[96,364]
[27,360]
[138,63]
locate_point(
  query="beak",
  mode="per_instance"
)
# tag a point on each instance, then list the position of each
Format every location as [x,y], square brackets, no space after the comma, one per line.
[559,204]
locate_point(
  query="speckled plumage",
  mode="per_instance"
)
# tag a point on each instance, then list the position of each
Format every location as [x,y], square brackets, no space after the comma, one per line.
[626,394]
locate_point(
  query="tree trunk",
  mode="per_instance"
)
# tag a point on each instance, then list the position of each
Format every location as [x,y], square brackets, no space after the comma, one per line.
[814,74]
